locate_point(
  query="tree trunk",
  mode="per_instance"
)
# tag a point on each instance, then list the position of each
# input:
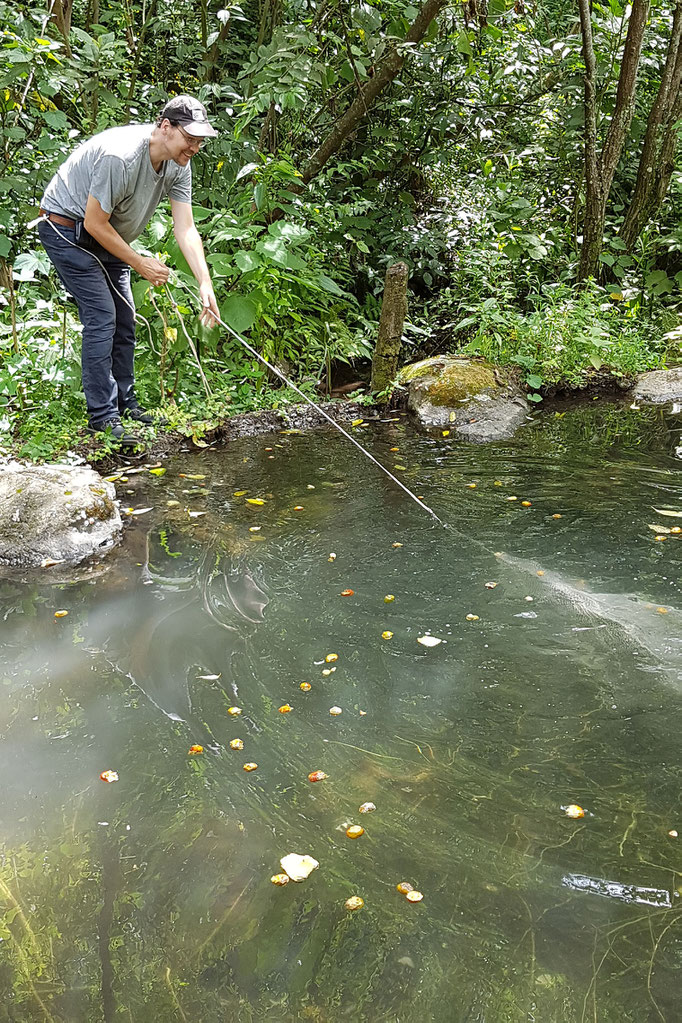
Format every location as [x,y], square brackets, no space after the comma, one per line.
[656,163]
[600,167]
[385,72]
[393,313]
[61,15]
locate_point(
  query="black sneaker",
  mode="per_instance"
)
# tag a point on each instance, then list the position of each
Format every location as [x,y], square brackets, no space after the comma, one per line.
[115,429]
[140,415]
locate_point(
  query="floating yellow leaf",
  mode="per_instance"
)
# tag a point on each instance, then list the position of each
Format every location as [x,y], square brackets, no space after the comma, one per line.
[357,422]
[387,634]
[347,593]
[240,493]
[317,776]
[662,610]
[367,808]
[354,831]
[574,811]
[61,614]
[236,744]
[305,686]
[527,504]
[490,586]
[234,711]
[298,507]
[404,887]
[414,896]
[354,902]
[446,433]
[250,767]
[389,598]
[556,516]
[286,708]
[194,751]
[670,514]
[192,475]
[512,498]
[395,449]
[49,562]
[158,472]
[471,486]
[672,833]
[255,500]
[332,557]
[401,468]
[109,776]
[472,618]
[396,545]
[280,879]
[298,867]
[172,504]
[331,657]
[255,529]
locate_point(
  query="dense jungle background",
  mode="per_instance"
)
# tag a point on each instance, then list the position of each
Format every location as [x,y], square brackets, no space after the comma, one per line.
[521,158]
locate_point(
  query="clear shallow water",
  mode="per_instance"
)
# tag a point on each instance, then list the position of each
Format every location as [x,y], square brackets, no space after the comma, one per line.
[150,899]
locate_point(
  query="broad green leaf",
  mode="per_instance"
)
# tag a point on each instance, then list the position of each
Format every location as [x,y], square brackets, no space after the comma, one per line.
[239,312]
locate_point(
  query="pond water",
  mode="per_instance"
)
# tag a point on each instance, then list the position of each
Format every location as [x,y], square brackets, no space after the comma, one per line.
[150,899]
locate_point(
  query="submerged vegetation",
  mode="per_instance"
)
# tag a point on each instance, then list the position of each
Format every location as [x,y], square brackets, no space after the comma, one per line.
[499,149]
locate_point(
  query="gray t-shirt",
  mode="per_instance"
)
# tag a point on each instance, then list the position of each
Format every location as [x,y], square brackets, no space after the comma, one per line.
[114,167]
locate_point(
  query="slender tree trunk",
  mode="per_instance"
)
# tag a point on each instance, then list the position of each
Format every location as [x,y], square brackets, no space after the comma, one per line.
[600,167]
[61,15]
[385,72]
[656,163]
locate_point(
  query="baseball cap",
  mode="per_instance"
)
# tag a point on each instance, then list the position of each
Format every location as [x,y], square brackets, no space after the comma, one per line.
[190,114]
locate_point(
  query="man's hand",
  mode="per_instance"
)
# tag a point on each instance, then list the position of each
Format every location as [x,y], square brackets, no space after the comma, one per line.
[210,312]
[153,270]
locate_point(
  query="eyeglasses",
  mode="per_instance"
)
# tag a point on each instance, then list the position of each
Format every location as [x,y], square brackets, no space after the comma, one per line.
[190,138]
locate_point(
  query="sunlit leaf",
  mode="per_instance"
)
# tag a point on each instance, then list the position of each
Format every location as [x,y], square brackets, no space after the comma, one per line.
[354,831]
[158,472]
[367,808]
[255,500]
[404,887]
[236,744]
[109,776]
[330,658]
[389,598]
[574,811]
[387,634]
[335,711]
[298,867]
[286,708]
[234,711]
[317,776]
[195,750]
[240,493]
[280,879]
[414,896]
[305,686]
[429,640]
[347,593]
[670,514]
[250,767]
[354,902]
[61,614]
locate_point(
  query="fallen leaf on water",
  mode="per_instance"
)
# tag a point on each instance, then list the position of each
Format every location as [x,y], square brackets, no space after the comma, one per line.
[347,593]
[240,493]
[331,657]
[255,500]
[539,572]
[305,686]
[138,511]
[250,767]
[429,640]
[236,744]
[670,514]
[61,614]
[472,618]
[298,507]
[158,472]
[662,610]
[366,808]
[354,831]
[335,711]
[194,515]
[471,486]
[49,562]
[317,776]
[328,671]
[512,498]
[676,529]
[209,678]
[195,750]
[332,557]
[527,504]
[414,896]
[172,504]
[446,433]
[354,902]
[396,545]
[401,468]
[660,538]
[357,422]
[255,529]
[574,811]
[387,634]
[404,887]
[659,529]
[672,833]
[490,586]
[389,598]
[234,711]
[285,708]
[192,475]
[556,515]
[280,879]
[109,776]
[298,867]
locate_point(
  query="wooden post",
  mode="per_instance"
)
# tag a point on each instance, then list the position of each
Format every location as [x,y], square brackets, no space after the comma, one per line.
[393,313]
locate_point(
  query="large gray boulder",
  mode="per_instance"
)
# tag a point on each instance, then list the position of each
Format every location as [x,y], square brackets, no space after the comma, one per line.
[660,385]
[55,513]
[470,397]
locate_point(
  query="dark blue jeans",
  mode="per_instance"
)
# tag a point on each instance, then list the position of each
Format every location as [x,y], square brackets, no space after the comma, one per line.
[108,323]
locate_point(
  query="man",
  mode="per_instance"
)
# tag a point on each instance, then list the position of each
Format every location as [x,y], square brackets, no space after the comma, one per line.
[98,202]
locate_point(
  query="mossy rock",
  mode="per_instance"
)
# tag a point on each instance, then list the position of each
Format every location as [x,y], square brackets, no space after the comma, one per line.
[448,381]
